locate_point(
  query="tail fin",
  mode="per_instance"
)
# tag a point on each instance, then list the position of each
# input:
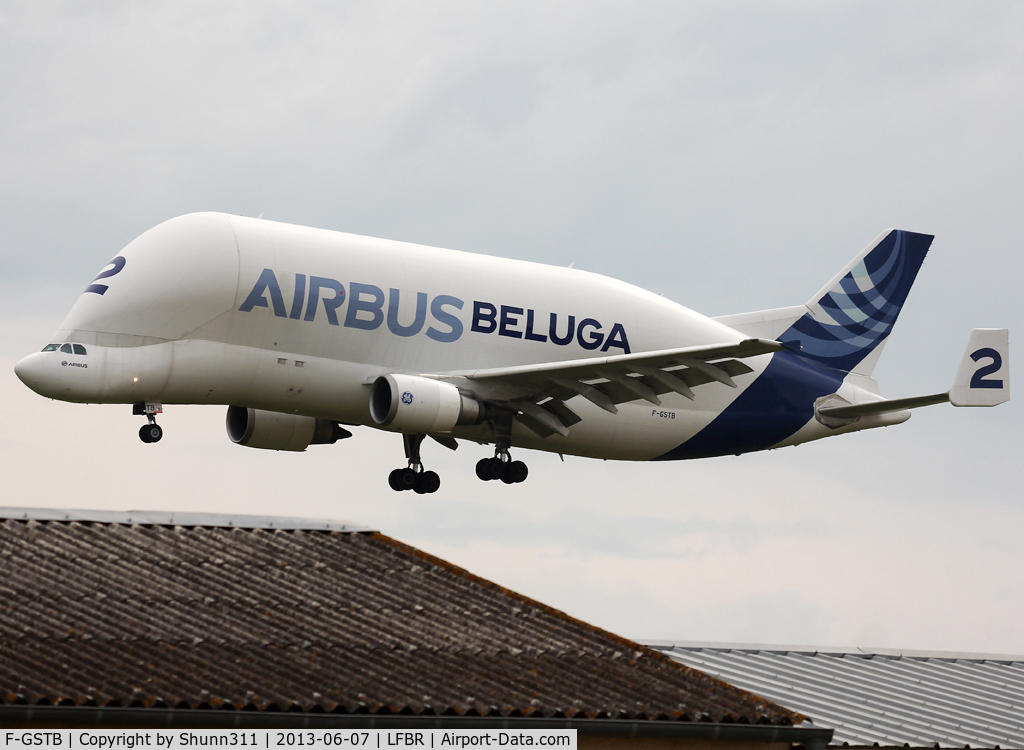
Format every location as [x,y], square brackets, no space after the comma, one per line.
[847,322]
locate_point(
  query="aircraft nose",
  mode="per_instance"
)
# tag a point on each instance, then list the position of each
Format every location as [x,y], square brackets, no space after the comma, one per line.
[29,370]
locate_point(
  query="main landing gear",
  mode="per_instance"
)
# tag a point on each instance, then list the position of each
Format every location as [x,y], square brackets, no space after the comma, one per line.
[413,477]
[150,432]
[502,466]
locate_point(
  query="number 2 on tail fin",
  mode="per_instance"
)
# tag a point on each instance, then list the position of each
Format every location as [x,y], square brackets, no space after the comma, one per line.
[983,378]
[979,381]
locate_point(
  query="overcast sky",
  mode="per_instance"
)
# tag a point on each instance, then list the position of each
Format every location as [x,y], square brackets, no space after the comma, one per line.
[731,156]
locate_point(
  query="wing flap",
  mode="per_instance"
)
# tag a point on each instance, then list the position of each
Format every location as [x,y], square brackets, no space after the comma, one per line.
[589,369]
[538,392]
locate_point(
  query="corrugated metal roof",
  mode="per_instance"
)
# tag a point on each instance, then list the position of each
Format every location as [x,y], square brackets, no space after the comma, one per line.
[883,697]
[243,616]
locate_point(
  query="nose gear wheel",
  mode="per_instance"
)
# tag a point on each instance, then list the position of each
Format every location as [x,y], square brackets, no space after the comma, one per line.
[150,432]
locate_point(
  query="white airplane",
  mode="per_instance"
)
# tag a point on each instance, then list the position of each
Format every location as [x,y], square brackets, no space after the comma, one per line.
[299,331]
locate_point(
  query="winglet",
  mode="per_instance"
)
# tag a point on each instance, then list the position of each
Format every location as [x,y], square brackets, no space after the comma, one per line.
[984,375]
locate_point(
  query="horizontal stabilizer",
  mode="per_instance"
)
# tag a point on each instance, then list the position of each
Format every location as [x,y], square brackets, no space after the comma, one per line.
[881,407]
[982,380]
[984,375]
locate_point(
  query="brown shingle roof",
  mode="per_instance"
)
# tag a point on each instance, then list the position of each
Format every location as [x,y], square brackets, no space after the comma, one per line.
[103,613]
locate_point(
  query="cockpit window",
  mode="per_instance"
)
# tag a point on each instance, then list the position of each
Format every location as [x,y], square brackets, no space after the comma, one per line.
[79,349]
[66,349]
[51,347]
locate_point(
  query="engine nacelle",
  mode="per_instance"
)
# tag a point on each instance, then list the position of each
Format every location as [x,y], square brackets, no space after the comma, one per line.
[255,428]
[410,403]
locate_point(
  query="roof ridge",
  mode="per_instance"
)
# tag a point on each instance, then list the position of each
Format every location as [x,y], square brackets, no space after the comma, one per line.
[179,518]
[866,651]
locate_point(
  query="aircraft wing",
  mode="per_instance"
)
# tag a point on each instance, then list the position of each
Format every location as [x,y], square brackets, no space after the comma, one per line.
[538,392]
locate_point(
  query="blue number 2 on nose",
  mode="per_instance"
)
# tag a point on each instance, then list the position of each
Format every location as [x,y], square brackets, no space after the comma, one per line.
[118,264]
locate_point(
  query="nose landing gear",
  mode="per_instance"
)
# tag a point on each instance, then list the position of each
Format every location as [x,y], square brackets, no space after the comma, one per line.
[150,432]
[413,477]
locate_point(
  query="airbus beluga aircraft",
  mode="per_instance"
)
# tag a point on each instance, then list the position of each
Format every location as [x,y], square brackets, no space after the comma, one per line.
[303,332]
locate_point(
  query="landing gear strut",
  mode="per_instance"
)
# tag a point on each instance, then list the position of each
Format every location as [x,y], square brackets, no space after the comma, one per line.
[150,432]
[413,477]
[502,466]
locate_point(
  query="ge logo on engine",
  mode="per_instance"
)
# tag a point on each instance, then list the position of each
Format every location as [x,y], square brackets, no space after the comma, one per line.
[407,398]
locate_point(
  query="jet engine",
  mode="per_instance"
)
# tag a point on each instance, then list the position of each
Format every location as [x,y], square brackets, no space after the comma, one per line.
[410,403]
[273,430]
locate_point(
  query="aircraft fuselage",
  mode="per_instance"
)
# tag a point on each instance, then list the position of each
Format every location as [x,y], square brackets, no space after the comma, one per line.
[217,309]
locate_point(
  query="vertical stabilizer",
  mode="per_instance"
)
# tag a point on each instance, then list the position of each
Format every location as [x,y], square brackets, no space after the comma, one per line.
[848,320]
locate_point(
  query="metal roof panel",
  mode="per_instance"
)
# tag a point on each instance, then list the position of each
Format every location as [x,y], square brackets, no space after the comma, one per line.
[895,698]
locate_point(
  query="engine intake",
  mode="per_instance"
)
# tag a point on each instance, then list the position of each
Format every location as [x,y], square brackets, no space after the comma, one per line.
[255,428]
[410,403]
